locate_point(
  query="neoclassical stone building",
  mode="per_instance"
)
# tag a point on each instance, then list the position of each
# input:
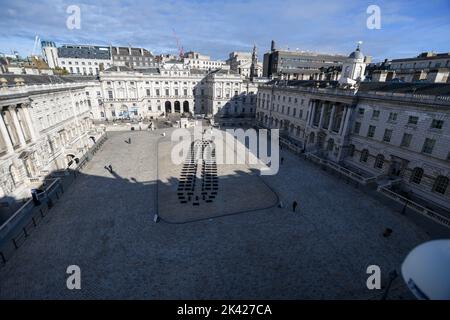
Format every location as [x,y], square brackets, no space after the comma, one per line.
[174,88]
[394,134]
[45,125]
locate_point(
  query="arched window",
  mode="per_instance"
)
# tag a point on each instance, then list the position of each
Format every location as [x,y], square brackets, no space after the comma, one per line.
[364,155]
[379,161]
[351,150]
[416,176]
[440,184]
[347,71]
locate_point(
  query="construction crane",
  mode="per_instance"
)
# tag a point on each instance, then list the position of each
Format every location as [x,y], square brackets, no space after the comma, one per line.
[36,43]
[180,48]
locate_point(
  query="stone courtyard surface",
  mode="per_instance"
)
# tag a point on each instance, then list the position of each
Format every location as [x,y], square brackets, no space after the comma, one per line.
[104,224]
[240,189]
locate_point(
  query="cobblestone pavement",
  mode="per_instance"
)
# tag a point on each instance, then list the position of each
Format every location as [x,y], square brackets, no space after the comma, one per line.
[104,224]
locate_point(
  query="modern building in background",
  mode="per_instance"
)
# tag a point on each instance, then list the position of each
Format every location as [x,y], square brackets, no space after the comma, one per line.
[297,65]
[77,59]
[90,60]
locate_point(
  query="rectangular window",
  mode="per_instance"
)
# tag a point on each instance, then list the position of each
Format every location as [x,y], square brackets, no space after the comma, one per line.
[406,140]
[371,131]
[361,111]
[437,124]
[157,92]
[357,127]
[110,95]
[413,120]
[148,92]
[375,114]
[392,117]
[387,135]
[428,146]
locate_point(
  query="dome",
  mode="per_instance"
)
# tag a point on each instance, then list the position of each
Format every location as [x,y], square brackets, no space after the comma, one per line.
[357,54]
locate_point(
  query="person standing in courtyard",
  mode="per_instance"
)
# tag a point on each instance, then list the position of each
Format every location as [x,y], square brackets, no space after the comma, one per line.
[294,206]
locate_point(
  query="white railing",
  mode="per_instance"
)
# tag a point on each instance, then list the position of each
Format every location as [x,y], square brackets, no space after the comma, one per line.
[436,217]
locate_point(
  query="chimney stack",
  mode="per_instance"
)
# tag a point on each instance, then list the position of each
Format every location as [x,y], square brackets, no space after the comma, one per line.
[272,46]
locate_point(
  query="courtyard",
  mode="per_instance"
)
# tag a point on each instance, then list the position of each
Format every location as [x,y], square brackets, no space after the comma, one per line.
[240,246]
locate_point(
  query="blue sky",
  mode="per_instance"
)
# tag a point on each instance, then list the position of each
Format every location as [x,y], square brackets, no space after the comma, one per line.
[216,28]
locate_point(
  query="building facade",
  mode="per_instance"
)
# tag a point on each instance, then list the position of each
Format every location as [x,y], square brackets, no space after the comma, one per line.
[90,60]
[132,57]
[243,62]
[195,60]
[394,132]
[297,65]
[45,125]
[173,88]
[427,67]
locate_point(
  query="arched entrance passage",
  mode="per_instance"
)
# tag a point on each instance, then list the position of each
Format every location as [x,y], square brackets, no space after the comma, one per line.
[168,107]
[186,107]
[177,107]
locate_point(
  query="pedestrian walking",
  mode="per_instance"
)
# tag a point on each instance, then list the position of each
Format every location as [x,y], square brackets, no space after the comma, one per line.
[294,206]
[282,160]
[129,140]
[110,168]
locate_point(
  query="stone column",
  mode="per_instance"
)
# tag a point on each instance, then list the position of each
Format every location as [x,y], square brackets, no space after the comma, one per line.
[333,113]
[30,125]
[346,122]
[315,105]
[322,111]
[5,134]
[310,112]
[18,127]
[344,114]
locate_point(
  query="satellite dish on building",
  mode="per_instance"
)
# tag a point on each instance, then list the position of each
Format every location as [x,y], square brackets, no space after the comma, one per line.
[426,270]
